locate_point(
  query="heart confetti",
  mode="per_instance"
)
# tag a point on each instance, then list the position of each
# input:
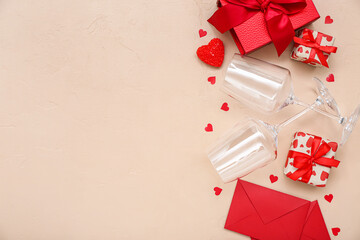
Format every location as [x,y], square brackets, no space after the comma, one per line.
[273,178]
[225,107]
[212,80]
[217,191]
[213,53]
[328,20]
[209,128]
[202,33]
[329,197]
[335,231]
[330,78]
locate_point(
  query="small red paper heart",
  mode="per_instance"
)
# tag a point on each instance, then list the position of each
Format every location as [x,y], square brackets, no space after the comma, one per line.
[295,143]
[301,145]
[212,80]
[213,53]
[324,175]
[329,197]
[300,49]
[333,146]
[209,128]
[335,231]
[308,151]
[202,33]
[273,178]
[330,78]
[301,134]
[217,191]
[307,51]
[225,107]
[328,20]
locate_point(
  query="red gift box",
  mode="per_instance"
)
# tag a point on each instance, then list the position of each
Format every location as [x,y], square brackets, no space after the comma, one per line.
[253,33]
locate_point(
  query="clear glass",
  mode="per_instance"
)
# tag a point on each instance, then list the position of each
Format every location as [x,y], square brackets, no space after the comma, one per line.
[244,148]
[267,88]
[247,146]
[258,84]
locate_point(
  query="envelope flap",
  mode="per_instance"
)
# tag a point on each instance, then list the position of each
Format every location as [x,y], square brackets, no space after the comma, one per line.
[276,205]
[315,227]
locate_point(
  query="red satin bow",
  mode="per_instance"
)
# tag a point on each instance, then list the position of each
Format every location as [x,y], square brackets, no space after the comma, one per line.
[304,163]
[308,40]
[276,14]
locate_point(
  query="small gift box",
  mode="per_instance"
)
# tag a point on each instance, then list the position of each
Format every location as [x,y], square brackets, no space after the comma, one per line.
[310,159]
[313,48]
[255,23]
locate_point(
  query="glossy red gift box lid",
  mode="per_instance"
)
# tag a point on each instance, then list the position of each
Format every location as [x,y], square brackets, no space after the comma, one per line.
[253,34]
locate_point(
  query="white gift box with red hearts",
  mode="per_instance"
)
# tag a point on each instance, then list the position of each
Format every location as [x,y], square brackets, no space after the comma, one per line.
[302,143]
[308,55]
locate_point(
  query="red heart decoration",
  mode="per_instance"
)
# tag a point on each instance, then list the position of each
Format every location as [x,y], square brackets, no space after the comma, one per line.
[301,134]
[213,53]
[329,38]
[295,143]
[307,51]
[324,175]
[301,145]
[309,142]
[217,191]
[202,33]
[313,173]
[329,197]
[300,49]
[212,80]
[308,151]
[273,178]
[333,146]
[225,107]
[209,128]
[330,78]
[335,231]
[328,20]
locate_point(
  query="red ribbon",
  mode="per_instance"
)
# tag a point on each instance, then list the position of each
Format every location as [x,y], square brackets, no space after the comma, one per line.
[308,40]
[276,14]
[304,162]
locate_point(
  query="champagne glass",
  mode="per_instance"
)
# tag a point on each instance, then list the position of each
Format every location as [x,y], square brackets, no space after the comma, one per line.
[248,146]
[267,88]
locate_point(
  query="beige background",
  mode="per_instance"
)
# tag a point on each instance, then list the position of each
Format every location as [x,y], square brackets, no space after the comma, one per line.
[102,116]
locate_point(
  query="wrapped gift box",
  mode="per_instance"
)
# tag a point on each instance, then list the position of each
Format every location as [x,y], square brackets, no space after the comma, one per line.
[253,33]
[310,159]
[313,48]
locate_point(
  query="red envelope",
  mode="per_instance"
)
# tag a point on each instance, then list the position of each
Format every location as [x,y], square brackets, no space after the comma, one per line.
[266,214]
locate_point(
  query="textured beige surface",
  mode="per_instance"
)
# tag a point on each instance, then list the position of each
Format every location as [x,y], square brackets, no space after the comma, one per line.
[102,116]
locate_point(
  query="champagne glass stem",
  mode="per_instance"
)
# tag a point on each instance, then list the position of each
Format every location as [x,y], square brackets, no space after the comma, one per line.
[339,119]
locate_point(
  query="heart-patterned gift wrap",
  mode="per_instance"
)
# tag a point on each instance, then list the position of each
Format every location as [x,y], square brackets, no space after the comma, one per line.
[313,48]
[310,159]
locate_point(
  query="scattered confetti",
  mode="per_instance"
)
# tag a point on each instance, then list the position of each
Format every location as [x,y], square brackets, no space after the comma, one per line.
[202,33]
[212,80]
[273,178]
[328,20]
[209,128]
[329,197]
[225,107]
[330,78]
[335,231]
[217,191]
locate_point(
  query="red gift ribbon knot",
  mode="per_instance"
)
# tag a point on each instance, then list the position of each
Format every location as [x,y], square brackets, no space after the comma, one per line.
[263,5]
[276,13]
[308,40]
[304,162]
